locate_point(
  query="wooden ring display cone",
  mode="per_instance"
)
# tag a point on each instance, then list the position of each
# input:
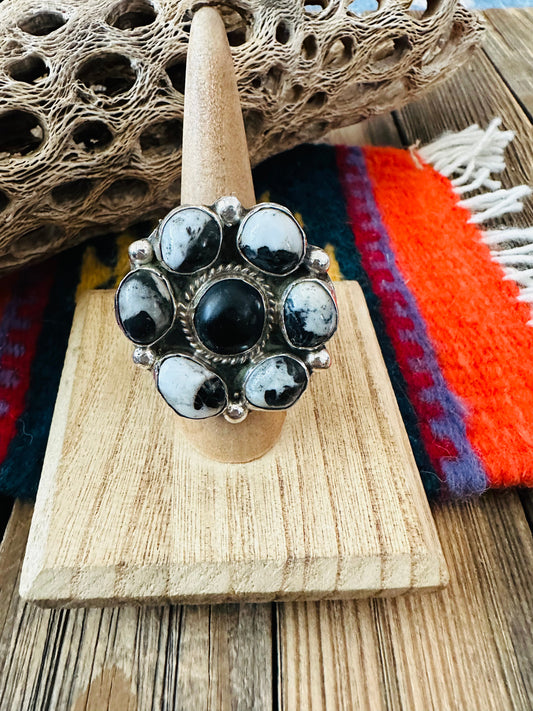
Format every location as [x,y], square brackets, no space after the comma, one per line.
[216,163]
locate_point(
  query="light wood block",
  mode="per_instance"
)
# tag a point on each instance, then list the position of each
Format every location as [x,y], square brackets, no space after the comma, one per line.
[128,511]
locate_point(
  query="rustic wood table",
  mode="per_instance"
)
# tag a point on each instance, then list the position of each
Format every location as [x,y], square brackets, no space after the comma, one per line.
[466,648]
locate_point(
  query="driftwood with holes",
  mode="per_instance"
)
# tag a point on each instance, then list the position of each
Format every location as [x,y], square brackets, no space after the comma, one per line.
[90,138]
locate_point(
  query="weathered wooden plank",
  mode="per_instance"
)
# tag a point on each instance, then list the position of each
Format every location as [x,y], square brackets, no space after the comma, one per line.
[11,553]
[225,658]
[377,131]
[509,45]
[526,497]
[467,647]
[131,658]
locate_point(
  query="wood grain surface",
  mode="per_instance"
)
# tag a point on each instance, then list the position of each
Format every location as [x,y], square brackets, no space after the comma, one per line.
[128,511]
[130,658]
[509,46]
[466,648]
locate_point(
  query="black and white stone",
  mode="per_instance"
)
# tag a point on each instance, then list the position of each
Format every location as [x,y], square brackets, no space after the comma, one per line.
[190,388]
[230,317]
[189,240]
[309,314]
[275,383]
[271,240]
[144,306]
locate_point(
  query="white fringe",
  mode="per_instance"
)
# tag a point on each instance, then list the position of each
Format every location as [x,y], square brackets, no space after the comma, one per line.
[516,262]
[473,156]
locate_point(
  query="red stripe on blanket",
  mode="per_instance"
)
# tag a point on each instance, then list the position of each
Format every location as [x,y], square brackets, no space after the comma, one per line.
[20,326]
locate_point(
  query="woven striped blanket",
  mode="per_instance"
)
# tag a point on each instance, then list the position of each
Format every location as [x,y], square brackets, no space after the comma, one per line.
[450,302]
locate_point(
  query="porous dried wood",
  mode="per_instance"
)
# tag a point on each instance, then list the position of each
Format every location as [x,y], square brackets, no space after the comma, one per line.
[92,97]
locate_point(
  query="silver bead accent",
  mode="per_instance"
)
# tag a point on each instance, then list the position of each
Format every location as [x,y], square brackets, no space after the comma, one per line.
[229,209]
[317,259]
[140,252]
[144,357]
[318,360]
[235,412]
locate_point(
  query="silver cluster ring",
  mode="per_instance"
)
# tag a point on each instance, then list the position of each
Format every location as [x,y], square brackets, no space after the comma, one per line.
[229,308]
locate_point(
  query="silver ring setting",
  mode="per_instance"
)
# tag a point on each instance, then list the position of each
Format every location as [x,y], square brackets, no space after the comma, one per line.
[229,308]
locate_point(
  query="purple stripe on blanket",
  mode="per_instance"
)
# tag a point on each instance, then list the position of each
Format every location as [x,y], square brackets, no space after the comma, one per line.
[464,473]
[8,378]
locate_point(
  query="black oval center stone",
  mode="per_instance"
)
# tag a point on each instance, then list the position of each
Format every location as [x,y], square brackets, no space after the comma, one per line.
[230,317]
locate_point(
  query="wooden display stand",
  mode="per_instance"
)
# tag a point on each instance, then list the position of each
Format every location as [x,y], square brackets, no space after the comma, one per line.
[129,508]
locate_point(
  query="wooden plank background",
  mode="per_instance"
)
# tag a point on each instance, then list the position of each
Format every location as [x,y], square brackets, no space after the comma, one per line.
[467,648]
